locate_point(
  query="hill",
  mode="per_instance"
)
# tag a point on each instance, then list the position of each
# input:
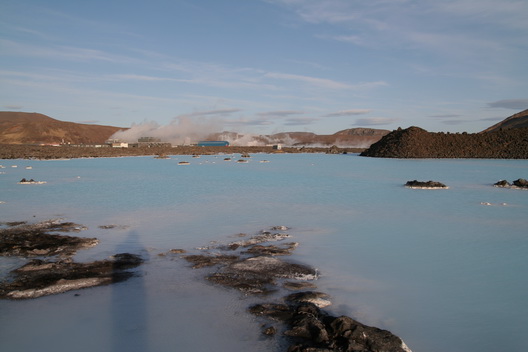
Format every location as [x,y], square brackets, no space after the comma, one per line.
[507,139]
[34,128]
[415,142]
[518,120]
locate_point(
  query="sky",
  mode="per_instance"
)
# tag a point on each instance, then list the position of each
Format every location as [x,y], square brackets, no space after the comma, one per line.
[267,66]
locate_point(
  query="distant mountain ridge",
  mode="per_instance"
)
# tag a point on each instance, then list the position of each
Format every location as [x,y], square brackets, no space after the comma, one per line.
[518,120]
[35,128]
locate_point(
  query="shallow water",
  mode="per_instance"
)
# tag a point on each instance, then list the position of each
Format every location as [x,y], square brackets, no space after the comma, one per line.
[436,267]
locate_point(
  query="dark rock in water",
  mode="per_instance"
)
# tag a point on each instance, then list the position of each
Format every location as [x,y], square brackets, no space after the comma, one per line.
[285,249]
[316,298]
[298,285]
[41,278]
[201,261]
[280,312]
[257,275]
[308,329]
[177,251]
[263,237]
[312,330]
[35,241]
[502,183]
[519,183]
[249,283]
[522,183]
[274,267]
[269,330]
[425,184]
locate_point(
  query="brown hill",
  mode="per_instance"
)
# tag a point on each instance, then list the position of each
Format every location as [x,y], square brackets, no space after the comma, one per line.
[34,128]
[415,142]
[518,120]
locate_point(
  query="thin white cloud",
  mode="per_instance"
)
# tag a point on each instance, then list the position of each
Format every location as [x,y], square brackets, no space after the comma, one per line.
[323,82]
[67,53]
[351,112]
[318,82]
[374,121]
[280,113]
[445,116]
[487,31]
[217,112]
[300,121]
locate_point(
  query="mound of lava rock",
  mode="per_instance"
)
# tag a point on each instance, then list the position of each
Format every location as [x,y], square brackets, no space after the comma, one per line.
[415,142]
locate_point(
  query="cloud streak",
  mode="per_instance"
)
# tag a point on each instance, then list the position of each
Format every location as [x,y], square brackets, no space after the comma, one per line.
[517,104]
[374,121]
[351,112]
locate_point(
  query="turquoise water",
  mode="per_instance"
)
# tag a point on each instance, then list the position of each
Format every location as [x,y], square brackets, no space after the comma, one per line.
[436,267]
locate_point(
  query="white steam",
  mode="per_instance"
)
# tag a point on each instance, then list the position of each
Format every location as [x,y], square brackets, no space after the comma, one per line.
[181,131]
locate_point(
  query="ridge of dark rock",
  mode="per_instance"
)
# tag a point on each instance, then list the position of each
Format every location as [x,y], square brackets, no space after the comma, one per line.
[415,142]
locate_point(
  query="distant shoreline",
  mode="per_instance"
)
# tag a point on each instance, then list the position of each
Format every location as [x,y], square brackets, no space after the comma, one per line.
[21,151]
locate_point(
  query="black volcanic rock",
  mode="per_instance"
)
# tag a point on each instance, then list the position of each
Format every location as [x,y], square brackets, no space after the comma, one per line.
[312,330]
[425,184]
[502,183]
[522,183]
[40,278]
[415,142]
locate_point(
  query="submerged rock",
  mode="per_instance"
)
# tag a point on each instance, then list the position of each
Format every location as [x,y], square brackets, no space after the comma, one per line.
[201,261]
[285,249]
[265,236]
[298,285]
[35,241]
[316,298]
[41,278]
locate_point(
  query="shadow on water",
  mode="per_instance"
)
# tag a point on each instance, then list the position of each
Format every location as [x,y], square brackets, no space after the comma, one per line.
[128,302]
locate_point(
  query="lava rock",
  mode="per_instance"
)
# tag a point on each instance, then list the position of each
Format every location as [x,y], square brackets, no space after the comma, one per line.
[522,183]
[502,183]
[425,184]
[34,240]
[40,278]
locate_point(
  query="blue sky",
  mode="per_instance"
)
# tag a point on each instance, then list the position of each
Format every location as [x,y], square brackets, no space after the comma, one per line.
[264,66]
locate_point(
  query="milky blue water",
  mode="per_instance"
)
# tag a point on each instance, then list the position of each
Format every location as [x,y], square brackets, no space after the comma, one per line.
[436,267]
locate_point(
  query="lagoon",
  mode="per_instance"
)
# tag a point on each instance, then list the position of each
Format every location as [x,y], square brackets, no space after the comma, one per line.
[439,268]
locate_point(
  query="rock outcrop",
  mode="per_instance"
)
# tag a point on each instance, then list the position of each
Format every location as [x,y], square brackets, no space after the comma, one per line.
[415,142]
[425,184]
[253,268]
[519,183]
[53,271]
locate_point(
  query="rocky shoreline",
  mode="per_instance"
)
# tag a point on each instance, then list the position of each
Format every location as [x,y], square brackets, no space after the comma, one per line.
[19,151]
[291,310]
